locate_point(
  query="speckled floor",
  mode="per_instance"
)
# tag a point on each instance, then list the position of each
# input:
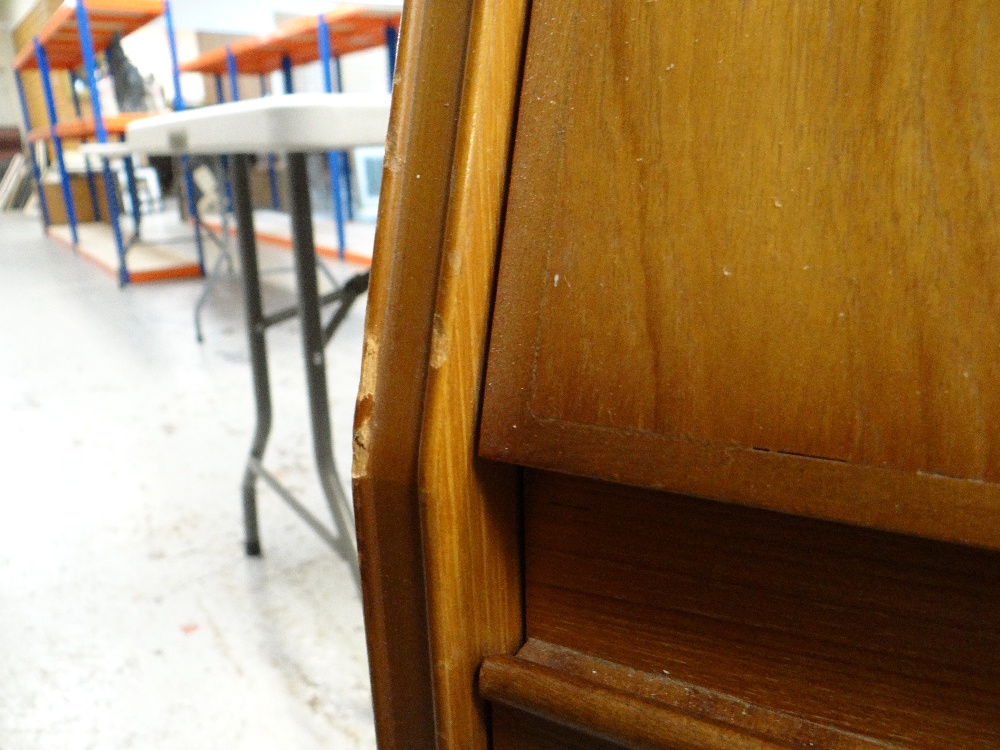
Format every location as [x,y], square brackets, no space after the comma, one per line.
[129,616]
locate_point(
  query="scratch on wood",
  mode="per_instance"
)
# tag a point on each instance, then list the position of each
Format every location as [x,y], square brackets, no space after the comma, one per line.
[393,155]
[363,411]
[439,344]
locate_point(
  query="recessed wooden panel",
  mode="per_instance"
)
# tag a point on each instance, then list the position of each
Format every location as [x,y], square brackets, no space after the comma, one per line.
[752,235]
[768,622]
[517,730]
[590,697]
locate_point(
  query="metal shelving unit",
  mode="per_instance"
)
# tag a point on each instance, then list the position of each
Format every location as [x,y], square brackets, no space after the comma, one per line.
[74,35]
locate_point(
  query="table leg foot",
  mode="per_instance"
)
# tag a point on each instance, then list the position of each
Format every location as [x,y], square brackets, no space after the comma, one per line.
[250,515]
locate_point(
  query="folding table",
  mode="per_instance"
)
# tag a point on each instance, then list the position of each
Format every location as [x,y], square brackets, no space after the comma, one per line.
[324,39]
[295,124]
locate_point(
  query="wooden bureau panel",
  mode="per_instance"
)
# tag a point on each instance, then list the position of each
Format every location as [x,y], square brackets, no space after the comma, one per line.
[658,620]
[890,637]
[399,317]
[517,730]
[744,239]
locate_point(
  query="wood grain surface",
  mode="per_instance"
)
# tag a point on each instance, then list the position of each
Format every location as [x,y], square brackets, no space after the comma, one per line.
[518,730]
[624,349]
[744,239]
[887,637]
[415,188]
[470,509]
[614,713]
[595,700]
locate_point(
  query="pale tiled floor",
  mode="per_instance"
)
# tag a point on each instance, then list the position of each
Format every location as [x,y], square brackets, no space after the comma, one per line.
[129,616]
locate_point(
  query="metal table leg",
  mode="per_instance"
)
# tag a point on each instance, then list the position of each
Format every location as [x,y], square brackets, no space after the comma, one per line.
[313,350]
[256,327]
[314,338]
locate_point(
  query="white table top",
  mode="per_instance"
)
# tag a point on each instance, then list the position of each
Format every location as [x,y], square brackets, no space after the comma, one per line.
[107,150]
[280,123]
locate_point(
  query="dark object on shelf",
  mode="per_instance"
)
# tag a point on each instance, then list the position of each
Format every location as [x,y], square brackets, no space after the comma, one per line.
[22,193]
[130,89]
[10,142]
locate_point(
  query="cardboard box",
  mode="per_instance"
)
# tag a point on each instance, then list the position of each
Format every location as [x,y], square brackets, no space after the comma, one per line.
[82,202]
[260,186]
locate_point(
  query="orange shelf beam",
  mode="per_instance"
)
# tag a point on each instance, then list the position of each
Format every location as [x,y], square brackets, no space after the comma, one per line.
[80,128]
[352,28]
[60,35]
[84,127]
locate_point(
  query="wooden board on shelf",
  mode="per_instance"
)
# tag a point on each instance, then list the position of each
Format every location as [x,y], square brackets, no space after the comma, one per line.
[83,203]
[146,261]
[33,21]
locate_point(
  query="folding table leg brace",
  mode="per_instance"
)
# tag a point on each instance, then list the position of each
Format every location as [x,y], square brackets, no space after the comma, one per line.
[314,338]
[224,195]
